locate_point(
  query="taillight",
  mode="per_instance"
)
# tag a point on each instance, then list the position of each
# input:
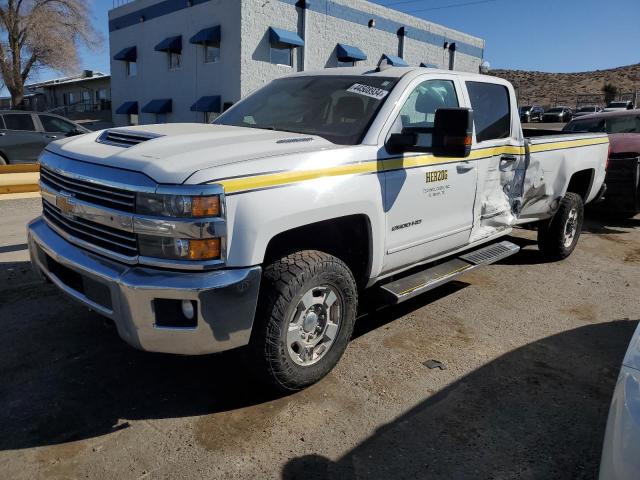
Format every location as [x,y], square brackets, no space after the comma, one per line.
[606,165]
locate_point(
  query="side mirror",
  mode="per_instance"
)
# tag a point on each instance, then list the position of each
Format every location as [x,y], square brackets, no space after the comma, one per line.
[450,136]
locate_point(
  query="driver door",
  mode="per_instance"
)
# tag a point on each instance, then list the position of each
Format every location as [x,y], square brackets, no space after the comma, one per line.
[428,200]
[56,128]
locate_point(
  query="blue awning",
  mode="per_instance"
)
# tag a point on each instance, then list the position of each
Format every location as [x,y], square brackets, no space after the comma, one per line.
[171,44]
[279,37]
[207,35]
[348,53]
[160,105]
[394,61]
[129,54]
[428,65]
[207,104]
[128,108]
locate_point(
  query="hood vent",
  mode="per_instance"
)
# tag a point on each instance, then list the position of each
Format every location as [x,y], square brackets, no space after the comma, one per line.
[295,140]
[125,138]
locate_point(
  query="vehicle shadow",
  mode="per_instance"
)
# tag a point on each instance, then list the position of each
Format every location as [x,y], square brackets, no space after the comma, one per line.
[65,375]
[601,223]
[536,412]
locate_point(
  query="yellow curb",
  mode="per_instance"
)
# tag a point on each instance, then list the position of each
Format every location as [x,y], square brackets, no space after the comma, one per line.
[19,196]
[21,168]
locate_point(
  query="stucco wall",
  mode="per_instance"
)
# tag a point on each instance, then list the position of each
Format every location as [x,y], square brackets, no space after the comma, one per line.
[245,63]
[195,78]
[328,24]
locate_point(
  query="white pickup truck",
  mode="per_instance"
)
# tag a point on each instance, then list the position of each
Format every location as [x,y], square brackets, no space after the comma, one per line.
[262,229]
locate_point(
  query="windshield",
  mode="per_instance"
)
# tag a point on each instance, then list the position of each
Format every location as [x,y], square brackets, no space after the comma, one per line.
[337,108]
[555,110]
[626,124]
[618,105]
[587,109]
[525,109]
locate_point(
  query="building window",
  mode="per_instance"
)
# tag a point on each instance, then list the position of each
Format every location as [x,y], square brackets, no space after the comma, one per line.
[175,59]
[161,118]
[132,119]
[211,52]
[346,64]
[281,55]
[209,117]
[132,69]
[102,94]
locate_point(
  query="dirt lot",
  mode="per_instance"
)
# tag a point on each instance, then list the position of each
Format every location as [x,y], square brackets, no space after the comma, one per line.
[531,350]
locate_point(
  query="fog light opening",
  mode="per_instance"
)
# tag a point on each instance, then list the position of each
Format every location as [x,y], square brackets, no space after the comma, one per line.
[188,309]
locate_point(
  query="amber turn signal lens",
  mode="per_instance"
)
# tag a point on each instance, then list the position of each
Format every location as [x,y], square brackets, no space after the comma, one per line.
[205,206]
[206,249]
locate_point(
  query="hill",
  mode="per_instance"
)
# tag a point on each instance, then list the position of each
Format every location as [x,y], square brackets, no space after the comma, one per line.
[571,89]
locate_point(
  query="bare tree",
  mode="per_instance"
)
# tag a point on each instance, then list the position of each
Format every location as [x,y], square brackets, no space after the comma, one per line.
[41,33]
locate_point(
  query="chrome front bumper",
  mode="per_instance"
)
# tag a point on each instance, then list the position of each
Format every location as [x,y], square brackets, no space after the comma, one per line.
[226,298]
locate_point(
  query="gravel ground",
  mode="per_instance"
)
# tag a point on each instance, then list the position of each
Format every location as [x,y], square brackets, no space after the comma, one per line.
[531,351]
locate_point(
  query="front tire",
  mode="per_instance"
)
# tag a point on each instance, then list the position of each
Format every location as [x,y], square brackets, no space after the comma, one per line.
[558,237]
[305,319]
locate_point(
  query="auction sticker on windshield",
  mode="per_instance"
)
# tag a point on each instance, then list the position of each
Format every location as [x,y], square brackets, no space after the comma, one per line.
[368,91]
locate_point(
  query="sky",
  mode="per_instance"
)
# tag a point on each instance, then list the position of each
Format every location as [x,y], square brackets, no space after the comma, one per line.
[544,35]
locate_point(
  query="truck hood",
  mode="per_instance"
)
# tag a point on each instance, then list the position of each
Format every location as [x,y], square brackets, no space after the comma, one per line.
[171,153]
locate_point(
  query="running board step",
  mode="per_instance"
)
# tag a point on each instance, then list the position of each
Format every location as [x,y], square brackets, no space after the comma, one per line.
[404,288]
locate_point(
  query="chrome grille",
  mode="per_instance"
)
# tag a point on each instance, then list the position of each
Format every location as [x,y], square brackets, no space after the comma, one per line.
[99,194]
[118,241]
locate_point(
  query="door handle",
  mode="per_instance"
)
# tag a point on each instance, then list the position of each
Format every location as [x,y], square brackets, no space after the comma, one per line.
[2,134]
[51,136]
[465,167]
[509,158]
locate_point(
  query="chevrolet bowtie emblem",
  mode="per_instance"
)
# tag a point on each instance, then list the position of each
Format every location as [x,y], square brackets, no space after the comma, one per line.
[65,202]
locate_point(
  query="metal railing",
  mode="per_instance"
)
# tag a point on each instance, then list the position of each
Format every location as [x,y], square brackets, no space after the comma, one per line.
[81,107]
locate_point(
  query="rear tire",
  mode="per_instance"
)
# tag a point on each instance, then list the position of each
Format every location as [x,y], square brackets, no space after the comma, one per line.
[558,237]
[3,161]
[305,318]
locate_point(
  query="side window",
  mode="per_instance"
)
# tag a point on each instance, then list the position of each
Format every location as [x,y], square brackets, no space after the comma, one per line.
[55,124]
[19,121]
[419,111]
[491,110]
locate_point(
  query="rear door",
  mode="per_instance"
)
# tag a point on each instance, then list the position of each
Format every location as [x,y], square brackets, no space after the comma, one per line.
[501,159]
[20,140]
[428,200]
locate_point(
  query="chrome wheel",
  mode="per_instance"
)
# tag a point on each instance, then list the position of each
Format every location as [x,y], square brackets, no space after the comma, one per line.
[571,227]
[314,324]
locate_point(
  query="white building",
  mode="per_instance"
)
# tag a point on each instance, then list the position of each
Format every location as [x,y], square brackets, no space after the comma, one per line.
[187,60]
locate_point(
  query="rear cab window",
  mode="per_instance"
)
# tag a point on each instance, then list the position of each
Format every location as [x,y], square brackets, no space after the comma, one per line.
[491,110]
[19,121]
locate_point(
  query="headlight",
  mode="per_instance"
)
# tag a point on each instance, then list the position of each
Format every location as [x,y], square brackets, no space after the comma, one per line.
[178,205]
[178,248]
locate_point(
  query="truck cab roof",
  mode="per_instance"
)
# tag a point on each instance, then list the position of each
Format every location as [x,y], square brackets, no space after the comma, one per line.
[395,72]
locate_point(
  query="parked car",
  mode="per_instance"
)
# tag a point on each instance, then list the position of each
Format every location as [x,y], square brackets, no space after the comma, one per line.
[619,105]
[620,459]
[557,115]
[530,113]
[623,172]
[587,110]
[264,228]
[23,135]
